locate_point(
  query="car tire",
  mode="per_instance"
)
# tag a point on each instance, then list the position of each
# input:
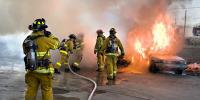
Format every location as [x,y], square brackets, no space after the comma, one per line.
[178,71]
[153,68]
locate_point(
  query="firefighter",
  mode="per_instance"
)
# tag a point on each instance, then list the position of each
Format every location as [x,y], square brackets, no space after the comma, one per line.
[38,64]
[78,53]
[111,45]
[100,56]
[66,49]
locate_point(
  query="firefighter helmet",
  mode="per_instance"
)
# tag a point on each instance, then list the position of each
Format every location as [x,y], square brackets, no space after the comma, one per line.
[72,36]
[38,25]
[113,31]
[100,31]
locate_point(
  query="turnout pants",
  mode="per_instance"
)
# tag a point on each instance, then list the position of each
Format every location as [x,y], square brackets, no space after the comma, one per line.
[100,61]
[63,61]
[111,62]
[77,58]
[33,81]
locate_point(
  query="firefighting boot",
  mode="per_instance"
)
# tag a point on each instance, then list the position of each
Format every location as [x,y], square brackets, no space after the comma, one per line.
[75,68]
[114,77]
[110,78]
[56,71]
[67,70]
[110,82]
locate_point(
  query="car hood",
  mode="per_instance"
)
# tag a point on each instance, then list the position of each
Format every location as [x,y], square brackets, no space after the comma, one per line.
[168,58]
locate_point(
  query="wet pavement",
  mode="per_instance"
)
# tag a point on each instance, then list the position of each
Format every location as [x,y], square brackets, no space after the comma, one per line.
[128,86]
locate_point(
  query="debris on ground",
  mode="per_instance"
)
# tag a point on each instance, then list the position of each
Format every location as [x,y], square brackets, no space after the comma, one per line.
[193,69]
[122,62]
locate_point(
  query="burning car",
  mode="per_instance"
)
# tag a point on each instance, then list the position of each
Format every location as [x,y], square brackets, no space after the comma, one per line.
[167,63]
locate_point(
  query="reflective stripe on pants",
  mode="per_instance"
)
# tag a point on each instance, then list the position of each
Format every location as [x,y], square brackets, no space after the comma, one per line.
[76,64]
[112,54]
[58,64]
[63,52]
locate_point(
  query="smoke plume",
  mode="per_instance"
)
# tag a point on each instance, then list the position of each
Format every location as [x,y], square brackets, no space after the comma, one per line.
[78,16]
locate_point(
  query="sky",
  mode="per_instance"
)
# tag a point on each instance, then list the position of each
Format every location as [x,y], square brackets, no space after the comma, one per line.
[191,8]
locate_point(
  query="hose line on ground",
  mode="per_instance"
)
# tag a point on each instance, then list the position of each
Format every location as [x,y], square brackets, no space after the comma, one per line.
[86,78]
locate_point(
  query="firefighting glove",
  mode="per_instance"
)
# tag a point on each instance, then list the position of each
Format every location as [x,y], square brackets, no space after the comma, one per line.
[71,52]
[95,51]
[122,55]
[30,27]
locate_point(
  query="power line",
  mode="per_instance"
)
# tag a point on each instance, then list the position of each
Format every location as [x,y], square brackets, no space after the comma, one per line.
[185,20]
[184,8]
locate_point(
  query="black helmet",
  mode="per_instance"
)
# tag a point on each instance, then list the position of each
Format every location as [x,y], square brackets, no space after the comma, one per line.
[72,36]
[38,25]
[63,40]
[113,31]
[99,31]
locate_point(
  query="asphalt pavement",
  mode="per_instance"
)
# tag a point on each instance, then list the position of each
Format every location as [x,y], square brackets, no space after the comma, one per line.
[128,86]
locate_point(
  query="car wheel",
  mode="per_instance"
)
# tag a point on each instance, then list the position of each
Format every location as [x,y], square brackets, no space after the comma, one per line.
[178,71]
[153,68]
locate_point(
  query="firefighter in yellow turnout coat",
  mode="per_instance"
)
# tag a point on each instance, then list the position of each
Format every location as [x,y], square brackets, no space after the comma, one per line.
[77,52]
[111,45]
[40,70]
[66,49]
[100,56]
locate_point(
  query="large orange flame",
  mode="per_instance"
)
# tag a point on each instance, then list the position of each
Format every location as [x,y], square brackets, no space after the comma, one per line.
[139,48]
[158,38]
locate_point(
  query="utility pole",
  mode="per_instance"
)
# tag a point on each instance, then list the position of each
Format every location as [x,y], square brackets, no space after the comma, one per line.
[185,20]
[175,20]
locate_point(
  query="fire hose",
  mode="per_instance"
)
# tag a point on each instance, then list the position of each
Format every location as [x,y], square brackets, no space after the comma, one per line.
[86,78]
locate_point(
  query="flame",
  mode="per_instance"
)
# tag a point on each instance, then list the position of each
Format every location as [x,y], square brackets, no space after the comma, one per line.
[139,48]
[160,36]
[157,38]
[132,59]
[161,40]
